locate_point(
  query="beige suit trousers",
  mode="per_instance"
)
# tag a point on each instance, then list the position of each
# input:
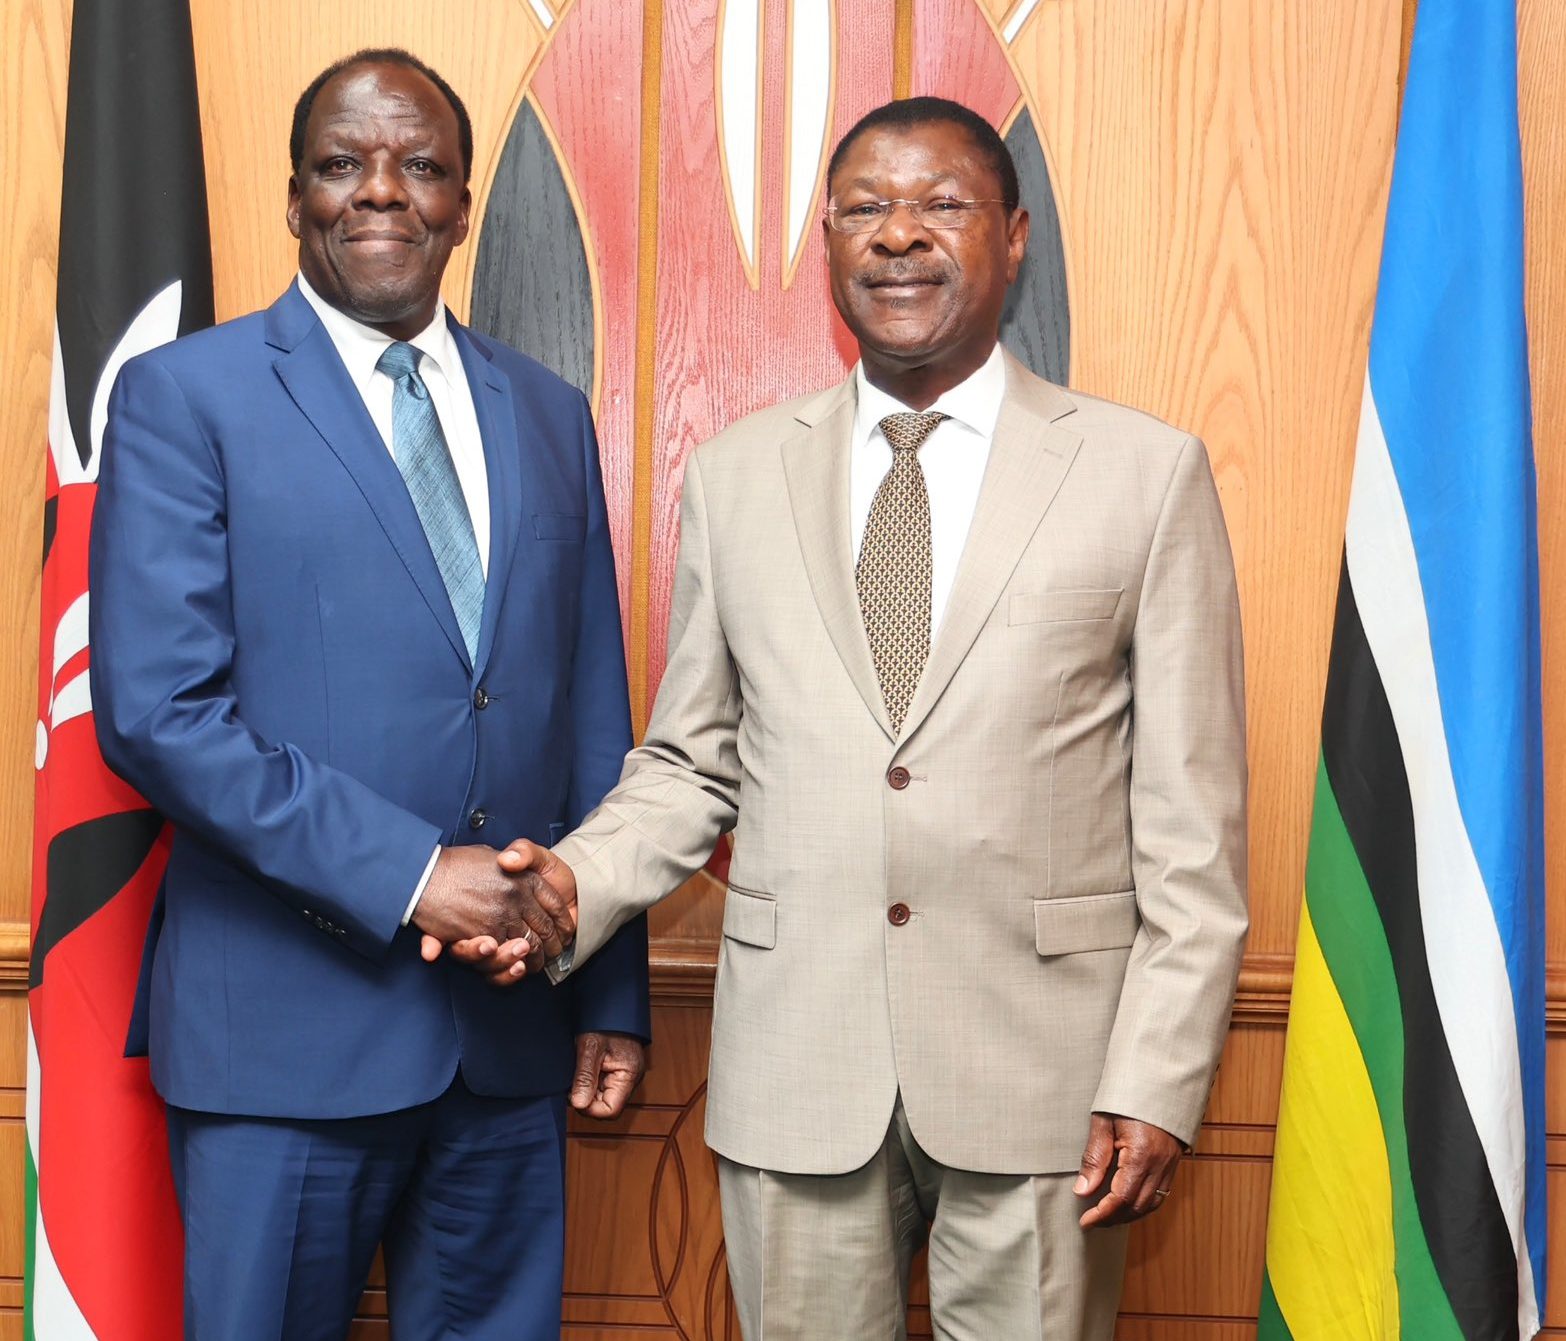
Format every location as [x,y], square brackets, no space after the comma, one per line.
[826,1257]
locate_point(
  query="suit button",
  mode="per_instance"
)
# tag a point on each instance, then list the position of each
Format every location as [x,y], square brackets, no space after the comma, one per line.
[897,914]
[477,819]
[481,699]
[897,779]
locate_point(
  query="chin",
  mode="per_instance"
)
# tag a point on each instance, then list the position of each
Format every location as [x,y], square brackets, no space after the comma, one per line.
[905,346]
[377,306]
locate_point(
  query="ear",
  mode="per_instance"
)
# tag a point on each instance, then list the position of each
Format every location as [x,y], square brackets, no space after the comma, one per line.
[293,205]
[1017,229]
[464,219]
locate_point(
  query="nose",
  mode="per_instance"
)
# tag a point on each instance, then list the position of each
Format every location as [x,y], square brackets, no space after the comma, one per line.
[382,187]
[901,232]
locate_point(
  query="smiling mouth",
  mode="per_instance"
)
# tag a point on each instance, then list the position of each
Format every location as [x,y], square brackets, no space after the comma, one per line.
[383,238]
[902,282]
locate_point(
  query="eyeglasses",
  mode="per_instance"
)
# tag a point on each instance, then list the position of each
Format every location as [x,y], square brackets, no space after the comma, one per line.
[865,216]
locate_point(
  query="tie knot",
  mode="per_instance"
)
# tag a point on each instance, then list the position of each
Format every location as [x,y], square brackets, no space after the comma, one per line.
[398,360]
[908,431]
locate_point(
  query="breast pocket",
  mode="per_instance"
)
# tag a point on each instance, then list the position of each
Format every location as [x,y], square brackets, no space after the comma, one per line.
[1044,607]
[559,526]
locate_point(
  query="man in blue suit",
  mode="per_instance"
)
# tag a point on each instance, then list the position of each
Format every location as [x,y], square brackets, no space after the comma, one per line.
[354,626]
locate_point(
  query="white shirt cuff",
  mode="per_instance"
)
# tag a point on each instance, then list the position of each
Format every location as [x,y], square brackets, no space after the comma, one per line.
[418,890]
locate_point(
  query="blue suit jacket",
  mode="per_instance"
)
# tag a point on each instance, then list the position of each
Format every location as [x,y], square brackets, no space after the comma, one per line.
[277,668]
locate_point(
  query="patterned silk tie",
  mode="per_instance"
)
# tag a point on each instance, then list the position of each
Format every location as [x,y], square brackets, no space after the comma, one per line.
[893,574]
[422,456]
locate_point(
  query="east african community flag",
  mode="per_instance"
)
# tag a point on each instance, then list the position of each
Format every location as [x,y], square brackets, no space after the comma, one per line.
[1408,1194]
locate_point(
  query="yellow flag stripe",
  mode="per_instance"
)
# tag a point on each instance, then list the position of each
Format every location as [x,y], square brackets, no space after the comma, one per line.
[1330,1245]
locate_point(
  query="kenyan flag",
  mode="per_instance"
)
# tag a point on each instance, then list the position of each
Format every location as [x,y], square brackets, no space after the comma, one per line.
[103,1234]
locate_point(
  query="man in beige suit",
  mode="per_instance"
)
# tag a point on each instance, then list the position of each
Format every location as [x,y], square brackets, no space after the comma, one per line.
[956,654]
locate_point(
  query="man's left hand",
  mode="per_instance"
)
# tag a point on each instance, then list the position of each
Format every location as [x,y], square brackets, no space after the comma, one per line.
[608,1068]
[1143,1157]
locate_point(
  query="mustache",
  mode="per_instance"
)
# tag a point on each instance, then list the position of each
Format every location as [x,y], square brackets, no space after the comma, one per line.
[872,276]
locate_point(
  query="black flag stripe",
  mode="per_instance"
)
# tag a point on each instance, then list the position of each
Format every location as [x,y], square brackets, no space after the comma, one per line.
[1462,1216]
[133,214]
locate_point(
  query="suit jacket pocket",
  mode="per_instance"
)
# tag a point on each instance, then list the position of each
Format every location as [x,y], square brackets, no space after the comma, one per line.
[751,918]
[1091,922]
[1041,607]
[559,526]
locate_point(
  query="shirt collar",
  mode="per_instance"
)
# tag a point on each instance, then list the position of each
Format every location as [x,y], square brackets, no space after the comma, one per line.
[975,402]
[361,346]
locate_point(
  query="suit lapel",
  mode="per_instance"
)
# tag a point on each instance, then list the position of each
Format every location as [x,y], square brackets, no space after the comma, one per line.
[1029,458]
[314,376]
[815,463]
[497,420]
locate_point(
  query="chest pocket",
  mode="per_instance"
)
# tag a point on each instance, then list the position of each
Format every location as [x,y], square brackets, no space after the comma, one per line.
[559,526]
[1044,607]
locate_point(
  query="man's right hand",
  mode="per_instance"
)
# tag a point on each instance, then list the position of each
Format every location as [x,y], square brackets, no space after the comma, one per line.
[506,962]
[472,895]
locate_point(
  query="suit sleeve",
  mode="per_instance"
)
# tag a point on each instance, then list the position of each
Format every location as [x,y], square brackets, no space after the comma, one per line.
[1188,821]
[611,993]
[163,638]
[679,791]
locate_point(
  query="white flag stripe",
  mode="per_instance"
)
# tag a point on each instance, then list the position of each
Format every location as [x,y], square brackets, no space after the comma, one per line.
[1462,943]
[55,1315]
[156,324]
[73,700]
[70,634]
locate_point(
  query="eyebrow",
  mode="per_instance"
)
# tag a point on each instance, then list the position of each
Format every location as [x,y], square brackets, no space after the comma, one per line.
[869,184]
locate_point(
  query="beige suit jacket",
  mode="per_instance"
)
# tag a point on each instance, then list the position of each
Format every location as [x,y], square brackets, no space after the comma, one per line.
[1062,815]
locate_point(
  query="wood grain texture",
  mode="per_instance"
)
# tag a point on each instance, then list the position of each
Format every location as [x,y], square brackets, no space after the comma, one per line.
[588,86]
[1541,73]
[1036,324]
[1221,170]
[34,49]
[254,58]
[531,285]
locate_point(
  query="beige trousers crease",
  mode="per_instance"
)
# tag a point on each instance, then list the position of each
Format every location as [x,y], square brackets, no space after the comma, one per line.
[828,1257]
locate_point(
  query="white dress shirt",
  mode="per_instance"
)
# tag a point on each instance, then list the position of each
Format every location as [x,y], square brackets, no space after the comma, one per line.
[953,459]
[360,347]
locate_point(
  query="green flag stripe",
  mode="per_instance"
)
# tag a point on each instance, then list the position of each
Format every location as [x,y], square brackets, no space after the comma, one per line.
[1271,1325]
[28,1275]
[1354,944]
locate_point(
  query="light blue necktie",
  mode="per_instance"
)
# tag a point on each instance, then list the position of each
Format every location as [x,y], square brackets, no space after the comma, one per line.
[420,449]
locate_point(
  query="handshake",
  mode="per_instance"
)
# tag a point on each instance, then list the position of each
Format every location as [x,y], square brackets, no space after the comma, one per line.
[505,914]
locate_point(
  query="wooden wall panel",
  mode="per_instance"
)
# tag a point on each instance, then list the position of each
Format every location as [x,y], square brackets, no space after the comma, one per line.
[1220,169]
[1541,72]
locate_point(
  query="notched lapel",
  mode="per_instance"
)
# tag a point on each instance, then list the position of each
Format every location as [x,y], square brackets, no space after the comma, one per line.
[314,376]
[1029,459]
[815,464]
[497,418]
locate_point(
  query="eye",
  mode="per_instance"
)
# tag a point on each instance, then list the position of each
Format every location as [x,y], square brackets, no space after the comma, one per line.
[338,163]
[867,209]
[944,205]
[424,167]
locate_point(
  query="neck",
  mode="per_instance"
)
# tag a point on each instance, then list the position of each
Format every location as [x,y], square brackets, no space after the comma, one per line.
[920,385]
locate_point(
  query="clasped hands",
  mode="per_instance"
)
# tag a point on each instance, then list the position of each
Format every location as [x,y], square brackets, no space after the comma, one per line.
[502,913]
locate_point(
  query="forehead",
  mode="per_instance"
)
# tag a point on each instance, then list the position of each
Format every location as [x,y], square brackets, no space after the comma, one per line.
[919,155]
[385,100]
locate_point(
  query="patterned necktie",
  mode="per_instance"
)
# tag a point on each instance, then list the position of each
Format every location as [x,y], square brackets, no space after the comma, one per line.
[893,573]
[422,456]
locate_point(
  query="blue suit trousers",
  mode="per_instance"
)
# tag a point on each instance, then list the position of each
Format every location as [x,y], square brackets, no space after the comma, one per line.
[282,1218]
